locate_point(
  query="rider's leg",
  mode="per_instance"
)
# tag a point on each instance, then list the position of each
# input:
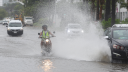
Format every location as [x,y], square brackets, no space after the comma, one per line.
[50,43]
[41,43]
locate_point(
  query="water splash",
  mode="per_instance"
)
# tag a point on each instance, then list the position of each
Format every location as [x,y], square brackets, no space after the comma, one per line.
[90,47]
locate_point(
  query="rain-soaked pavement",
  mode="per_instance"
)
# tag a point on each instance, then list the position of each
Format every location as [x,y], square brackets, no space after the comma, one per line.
[22,54]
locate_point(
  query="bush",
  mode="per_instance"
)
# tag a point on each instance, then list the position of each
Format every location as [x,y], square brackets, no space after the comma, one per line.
[125,22]
[107,24]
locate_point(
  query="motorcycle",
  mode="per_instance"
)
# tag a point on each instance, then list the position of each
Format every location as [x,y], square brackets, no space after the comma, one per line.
[46,47]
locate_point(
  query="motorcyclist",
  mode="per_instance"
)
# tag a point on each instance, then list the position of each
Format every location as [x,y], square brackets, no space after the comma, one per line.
[45,34]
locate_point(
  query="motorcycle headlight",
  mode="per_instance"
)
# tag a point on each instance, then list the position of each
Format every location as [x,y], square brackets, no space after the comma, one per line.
[47,40]
[82,31]
[69,31]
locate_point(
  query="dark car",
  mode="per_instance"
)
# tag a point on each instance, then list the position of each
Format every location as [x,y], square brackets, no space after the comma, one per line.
[107,31]
[117,37]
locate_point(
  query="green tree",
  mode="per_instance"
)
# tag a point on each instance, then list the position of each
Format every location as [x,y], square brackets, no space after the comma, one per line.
[3,13]
[39,8]
[18,9]
[14,8]
[107,24]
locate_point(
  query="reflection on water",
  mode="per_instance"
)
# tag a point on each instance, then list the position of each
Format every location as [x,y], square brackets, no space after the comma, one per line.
[46,65]
[120,67]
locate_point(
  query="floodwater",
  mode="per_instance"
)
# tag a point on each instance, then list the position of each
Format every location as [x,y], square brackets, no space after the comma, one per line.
[23,54]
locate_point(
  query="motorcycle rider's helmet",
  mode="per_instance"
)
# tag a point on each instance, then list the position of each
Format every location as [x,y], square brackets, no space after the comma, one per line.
[44,26]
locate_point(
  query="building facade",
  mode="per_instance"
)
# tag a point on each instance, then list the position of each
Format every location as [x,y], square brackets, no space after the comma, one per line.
[1,2]
[121,13]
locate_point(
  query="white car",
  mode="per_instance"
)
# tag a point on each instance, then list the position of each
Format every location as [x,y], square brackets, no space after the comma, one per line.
[28,20]
[74,29]
[5,22]
[1,21]
[15,27]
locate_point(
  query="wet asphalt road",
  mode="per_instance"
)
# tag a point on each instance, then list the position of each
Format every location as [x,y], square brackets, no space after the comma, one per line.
[22,54]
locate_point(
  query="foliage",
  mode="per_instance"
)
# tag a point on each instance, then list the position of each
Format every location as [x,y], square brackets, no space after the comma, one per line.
[3,13]
[30,6]
[102,3]
[14,8]
[18,7]
[102,15]
[39,8]
[125,22]
[107,24]
[123,3]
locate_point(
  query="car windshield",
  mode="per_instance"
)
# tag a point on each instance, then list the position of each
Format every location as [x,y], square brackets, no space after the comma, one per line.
[29,18]
[15,25]
[120,34]
[74,26]
[5,21]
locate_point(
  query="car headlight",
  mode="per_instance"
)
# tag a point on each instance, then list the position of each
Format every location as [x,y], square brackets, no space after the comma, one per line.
[21,29]
[69,31]
[82,31]
[8,29]
[47,40]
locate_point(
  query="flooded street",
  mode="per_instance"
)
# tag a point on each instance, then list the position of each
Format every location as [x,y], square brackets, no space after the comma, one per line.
[23,54]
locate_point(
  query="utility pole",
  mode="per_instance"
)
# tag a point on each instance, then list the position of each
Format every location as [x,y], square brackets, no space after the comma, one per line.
[113,12]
